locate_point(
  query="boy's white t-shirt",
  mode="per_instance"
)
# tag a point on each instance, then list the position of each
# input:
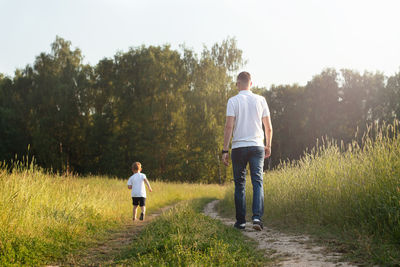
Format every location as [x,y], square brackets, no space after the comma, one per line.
[137,183]
[248,109]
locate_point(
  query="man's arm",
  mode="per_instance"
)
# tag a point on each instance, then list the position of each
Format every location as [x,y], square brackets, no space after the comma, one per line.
[268,135]
[230,122]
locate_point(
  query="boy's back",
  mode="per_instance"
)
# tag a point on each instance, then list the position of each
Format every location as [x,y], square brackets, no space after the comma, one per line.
[137,182]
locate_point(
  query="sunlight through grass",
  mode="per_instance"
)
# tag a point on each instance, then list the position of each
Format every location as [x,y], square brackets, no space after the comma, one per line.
[353,190]
[45,217]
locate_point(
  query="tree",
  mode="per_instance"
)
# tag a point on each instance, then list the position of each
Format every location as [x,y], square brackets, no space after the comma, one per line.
[57,113]
[166,108]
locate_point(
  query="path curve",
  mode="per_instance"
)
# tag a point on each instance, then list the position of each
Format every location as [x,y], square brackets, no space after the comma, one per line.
[294,250]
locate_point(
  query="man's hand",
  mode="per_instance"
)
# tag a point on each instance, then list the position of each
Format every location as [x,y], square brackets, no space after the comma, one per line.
[230,123]
[267,151]
[225,159]
[268,135]
[151,190]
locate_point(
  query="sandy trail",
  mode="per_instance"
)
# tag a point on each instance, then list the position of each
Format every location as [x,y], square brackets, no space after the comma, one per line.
[294,250]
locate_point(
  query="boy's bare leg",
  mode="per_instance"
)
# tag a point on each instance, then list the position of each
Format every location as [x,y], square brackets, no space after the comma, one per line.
[143,208]
[134,212]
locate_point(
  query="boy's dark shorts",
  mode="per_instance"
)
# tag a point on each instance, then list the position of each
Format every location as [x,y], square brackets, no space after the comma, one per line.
[139,201]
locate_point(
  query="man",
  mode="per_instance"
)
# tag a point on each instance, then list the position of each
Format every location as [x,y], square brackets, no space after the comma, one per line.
[245,114]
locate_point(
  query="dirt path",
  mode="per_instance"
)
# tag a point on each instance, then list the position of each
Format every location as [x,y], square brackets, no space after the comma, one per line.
[295,250]
[104,252]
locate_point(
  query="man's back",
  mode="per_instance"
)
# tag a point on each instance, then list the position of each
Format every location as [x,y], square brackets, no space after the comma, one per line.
[248,110]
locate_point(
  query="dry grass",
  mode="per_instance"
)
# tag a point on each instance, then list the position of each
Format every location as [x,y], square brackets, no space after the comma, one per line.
[352,192]
[46,217]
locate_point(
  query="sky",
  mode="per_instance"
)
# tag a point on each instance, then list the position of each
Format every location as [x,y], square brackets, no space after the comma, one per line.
[284,42]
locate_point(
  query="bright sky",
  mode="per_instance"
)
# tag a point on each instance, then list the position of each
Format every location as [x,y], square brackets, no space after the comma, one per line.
[285,41]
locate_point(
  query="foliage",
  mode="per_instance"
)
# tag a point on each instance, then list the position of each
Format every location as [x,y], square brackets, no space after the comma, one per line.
[149,104]
[166,108]
[333,104]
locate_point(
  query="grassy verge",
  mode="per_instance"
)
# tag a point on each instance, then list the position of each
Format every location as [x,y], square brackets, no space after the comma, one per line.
[348,197]
[44,218]
[185,237]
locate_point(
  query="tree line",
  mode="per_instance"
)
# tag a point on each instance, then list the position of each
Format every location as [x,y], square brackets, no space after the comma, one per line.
[166,108]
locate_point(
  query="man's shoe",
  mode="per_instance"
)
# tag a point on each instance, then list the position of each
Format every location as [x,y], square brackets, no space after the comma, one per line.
[239,226]
[257,225]
[141,216]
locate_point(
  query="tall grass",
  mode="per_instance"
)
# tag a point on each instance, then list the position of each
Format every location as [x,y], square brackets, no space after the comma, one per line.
[46,217]
[353,191]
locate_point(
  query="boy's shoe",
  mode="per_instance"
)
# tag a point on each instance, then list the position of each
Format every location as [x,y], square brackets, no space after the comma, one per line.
[239,226]
[257,225]
[141,216]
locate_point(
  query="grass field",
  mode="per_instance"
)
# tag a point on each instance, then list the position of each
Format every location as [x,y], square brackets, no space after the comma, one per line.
[348,194]
[43,217]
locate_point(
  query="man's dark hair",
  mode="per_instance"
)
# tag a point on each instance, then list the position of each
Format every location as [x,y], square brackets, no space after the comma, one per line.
[244,76]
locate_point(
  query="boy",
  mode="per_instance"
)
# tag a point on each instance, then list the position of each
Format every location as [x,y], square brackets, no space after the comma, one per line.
[136,183]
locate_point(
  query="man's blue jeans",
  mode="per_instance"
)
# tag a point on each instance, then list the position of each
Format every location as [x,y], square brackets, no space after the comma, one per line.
[254,155]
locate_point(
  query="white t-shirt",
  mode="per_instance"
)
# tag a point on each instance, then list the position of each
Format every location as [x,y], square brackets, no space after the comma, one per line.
[137,183]
[248,110]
